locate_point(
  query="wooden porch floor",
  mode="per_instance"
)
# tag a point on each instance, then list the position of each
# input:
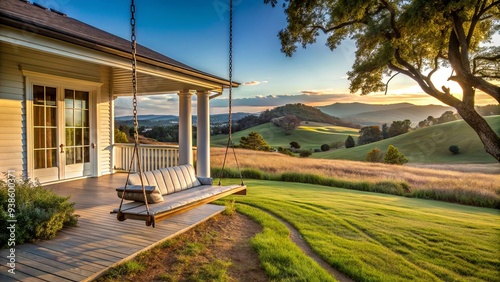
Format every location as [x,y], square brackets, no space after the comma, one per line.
[99,241]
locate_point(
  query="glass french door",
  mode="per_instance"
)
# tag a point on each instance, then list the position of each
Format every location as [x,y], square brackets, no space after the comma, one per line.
[61,132]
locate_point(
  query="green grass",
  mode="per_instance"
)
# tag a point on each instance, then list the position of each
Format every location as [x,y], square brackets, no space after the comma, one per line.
[378,237]
[428,145]
[279,256]
[309,136]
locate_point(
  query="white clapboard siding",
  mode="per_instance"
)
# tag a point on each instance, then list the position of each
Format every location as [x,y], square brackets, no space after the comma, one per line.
[13,155]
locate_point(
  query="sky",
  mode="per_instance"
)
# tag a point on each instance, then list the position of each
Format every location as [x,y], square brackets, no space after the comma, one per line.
[196,33]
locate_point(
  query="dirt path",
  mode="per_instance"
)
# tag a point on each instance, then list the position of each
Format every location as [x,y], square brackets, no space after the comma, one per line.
[299,241]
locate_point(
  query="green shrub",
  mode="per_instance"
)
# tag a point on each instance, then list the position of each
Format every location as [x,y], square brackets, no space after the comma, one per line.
[305,153]
[374,156]
[349,142]
[393,156]
[285,151]
[454,149]
[120,136]
[325,147]
[294,145]
[337,145]
[39,212]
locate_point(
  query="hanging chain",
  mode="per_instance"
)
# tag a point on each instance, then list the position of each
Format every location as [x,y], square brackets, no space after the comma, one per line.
[133,40]
[230,69]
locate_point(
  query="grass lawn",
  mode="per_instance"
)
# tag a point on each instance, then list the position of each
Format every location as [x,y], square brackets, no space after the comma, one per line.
[428,145]
[309,136]
[378,237]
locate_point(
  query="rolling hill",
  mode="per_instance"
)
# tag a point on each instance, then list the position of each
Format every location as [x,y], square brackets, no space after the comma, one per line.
[428,145]
[371,114]
[310,135]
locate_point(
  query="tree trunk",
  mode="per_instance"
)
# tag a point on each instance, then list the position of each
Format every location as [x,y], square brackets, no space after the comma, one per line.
[490,139]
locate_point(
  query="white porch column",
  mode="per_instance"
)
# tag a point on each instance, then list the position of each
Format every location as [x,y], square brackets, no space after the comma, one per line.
[203,134]
[185,128]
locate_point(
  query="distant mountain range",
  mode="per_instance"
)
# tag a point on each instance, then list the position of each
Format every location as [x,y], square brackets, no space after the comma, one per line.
[372,114]
[155,120]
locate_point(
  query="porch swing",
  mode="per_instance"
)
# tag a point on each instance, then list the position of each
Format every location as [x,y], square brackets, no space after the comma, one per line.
[159,194]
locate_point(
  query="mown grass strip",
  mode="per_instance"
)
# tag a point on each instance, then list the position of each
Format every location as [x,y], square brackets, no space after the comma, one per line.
[279,256]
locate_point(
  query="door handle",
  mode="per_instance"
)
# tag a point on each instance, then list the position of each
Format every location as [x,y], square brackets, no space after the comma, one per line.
[93,145]
[62,148]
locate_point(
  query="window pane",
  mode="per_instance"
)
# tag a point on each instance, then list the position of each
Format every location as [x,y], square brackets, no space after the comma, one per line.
[86,154]
[39,159]
[78,155]
[50,96]
[51,138]
[85,118]
[52,158]
[78,136]
[78,99]
[50,116]
[86,137]
[39,138]
[38,95]
[70,156]
[85,100]
[69,117]
[68,98]
[38,118]
[78,118]
[70,137]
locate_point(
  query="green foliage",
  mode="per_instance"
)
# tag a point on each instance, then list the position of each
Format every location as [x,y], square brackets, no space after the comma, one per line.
[454,149]
[374,156]
[131,267]
[39,212]
[288,123]
[399,127]
[369,134]
[254,141]
[393,156]
[294,145]
[285,151]
[349,142]
[305,153]
[230,207]
[325,147]
[120,137]
[337,145]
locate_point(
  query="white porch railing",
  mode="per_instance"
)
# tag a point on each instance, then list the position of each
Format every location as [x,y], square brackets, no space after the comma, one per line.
[152,156]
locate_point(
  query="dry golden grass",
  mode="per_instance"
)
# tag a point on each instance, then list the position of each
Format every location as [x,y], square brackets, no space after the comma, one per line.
[418,178]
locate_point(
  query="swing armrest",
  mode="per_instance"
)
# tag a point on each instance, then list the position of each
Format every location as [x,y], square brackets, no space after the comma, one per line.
[134,193]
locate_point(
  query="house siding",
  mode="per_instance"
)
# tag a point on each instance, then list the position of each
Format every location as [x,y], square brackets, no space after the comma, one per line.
[13,143]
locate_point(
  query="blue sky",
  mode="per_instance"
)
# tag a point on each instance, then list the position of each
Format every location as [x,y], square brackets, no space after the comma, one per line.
[195,32]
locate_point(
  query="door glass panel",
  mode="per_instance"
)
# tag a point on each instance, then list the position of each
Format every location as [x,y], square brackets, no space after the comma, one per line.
[50,96]
[38,117]
[51,138]
[77,126]
[69,117]
[70,137]
[45,126]
[70,156]
[39,134]
[50,116]
[52,158]
[39,159]
[38,95]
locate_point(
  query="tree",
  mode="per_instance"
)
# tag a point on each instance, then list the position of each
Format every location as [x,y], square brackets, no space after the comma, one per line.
[393,156]
[254,141]
[325,147]
[349,142]
[447,117]
[294,145]
[454,149]
[385,131]
[369,134]
[288,123]
[374,156]
[414,38]
[120,136]
[399,127]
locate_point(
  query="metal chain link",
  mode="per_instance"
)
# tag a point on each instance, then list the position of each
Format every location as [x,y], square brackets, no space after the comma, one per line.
[230,69]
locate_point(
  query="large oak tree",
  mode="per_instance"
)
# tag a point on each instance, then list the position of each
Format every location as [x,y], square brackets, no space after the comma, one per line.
[414,38]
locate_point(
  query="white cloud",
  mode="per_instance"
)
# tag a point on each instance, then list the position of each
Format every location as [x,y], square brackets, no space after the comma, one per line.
[253,83]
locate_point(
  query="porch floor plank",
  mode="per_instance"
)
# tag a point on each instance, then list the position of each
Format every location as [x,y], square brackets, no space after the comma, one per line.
[100,241]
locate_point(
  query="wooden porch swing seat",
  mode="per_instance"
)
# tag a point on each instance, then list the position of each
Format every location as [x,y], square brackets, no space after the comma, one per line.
[169,191]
